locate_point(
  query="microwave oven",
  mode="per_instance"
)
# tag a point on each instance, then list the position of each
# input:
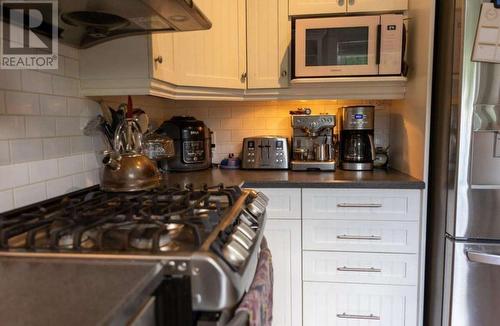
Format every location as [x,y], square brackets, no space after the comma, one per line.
[349,46]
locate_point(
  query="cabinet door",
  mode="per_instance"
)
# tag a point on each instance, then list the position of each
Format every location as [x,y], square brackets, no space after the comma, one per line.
[283,203]
[268,40]
[283,237]
[162,56]
[214,57]
[376,5]
[308,7]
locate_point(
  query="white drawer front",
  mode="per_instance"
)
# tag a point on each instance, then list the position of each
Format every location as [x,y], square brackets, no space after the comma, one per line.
[367,236]
[361,204]
[330,304]
[283,203]
[357,267]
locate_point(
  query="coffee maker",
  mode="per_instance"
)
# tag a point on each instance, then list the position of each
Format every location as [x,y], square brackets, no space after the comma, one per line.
[357,147]
[313,142]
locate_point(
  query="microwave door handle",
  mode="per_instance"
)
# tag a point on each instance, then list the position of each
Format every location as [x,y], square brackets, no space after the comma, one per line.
[483,258]
[379,41]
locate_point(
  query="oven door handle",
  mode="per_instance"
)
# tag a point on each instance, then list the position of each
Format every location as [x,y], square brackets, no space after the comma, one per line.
[483,258]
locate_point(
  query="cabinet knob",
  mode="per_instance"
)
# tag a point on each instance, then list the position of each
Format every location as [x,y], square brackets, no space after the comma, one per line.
[159,59]
[284,73]
[244,76]
[351,2]
[341,3]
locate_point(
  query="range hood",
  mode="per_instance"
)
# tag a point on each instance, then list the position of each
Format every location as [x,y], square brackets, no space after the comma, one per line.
[85,23]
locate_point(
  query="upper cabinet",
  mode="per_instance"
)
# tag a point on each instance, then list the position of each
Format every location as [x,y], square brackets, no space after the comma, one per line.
[268,40]
[244,56]
[210,58]
[376,5]
[307,7]
[311,7]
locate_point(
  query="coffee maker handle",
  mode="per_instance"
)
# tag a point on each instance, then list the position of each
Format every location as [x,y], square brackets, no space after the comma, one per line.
[372,146]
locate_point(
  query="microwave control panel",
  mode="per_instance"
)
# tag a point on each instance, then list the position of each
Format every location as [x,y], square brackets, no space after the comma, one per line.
[391,35]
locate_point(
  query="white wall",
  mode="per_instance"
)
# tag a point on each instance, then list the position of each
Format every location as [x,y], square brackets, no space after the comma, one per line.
[43,152]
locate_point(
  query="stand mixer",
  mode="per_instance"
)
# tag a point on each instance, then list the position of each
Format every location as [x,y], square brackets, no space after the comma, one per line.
[313,142]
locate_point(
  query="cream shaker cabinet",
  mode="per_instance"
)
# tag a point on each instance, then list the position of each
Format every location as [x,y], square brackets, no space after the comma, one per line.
[311,7]
[308,7]
[376,5]
[210,58]
[268,40]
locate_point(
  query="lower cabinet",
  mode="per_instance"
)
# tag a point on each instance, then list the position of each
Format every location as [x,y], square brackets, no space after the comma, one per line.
[338,304]
[345,257]
[284,240]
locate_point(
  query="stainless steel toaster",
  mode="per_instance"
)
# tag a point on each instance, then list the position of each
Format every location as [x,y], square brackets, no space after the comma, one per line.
[265,152]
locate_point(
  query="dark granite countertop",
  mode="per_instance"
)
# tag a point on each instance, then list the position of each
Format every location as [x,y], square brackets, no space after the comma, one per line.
[74,292]
[382,179]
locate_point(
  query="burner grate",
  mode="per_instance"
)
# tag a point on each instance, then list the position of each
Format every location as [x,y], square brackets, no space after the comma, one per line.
[164,219]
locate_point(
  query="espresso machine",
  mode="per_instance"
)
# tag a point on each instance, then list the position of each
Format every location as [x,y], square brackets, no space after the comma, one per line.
[357,146]
[313,142]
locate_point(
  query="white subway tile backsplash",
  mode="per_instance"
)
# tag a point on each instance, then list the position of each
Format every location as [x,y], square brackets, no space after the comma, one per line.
[22,103]
[53,105]
[35,81]
[6,200]
[4,152]
[81,144]
[86,179]
[70,165]
[10,79]
[219,112]
[59,186]
[56,147]
[78,107]
[40,126]
[43,170]
[91,161]
[222,136]
[71,68]
[13,176]
[12,127]
[26,150]
[229,124]
[41,121]
[68,127]
[65,86]
[30,194]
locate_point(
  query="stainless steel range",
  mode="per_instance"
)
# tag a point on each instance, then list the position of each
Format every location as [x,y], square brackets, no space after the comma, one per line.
[208,240]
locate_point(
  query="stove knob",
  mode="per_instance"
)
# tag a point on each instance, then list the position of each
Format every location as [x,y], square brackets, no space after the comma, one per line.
[246,230]
[248,219]
[263,197]
[256,208]
[234,253]
[242,239]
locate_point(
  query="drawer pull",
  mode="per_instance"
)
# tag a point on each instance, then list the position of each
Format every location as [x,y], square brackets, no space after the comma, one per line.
[359,237]
[355,205]
[364,317]
[359,269]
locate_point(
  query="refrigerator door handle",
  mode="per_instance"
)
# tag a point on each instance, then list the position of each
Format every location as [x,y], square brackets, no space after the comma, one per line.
[483,258]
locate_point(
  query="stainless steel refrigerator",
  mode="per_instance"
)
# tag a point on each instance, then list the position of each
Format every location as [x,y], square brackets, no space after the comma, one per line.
[463,239]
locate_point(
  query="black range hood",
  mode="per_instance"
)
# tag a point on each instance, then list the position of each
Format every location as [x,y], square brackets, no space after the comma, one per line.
[84,23]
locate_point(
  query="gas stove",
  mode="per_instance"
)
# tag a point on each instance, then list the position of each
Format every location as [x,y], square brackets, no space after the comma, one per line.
[209,237]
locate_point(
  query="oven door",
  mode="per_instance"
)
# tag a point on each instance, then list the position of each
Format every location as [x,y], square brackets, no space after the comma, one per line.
[340,46]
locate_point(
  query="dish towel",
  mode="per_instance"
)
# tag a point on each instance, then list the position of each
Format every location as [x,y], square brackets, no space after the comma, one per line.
[258,302]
